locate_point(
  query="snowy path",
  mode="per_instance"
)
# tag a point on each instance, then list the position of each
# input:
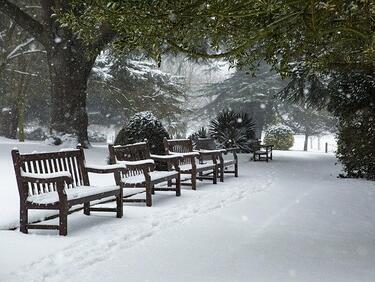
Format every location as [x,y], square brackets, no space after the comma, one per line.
[303,225]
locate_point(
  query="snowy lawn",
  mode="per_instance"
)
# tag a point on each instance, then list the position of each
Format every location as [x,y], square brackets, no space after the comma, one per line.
[287,220]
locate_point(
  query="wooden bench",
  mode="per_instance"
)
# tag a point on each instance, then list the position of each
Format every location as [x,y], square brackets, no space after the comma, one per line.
[192,161]
[140,170]
[208,144]
[261,152]
[58,181]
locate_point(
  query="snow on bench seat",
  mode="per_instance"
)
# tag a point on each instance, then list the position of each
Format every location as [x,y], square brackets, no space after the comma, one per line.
[140,162]
[155,175]
[188,167]
[72,193]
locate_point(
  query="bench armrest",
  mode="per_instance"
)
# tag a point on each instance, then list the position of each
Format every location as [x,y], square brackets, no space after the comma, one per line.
[170,160]
[62,176]
[210,152]
[106,168]
[148,163]
[187,154]
[230,150]
[166,157]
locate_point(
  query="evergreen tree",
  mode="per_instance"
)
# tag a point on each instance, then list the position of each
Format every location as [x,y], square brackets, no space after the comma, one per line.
[303,104]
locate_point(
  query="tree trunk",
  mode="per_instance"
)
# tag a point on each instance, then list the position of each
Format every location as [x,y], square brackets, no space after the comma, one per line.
[69,73]
[306,141]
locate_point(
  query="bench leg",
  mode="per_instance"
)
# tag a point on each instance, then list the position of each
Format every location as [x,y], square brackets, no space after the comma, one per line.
[178,185]
[24,219]
[214,180]
[120,205]
[221,172]
[194,180]
[148,195]
[86,208]
[63,217]
[152,190]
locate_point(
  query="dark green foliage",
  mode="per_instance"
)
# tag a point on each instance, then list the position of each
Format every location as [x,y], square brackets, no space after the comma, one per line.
[231,129]
[333,34]
[353,102]
[280,136]
[141,126]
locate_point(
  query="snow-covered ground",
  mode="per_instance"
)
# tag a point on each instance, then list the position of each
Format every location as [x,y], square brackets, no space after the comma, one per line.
[290,219]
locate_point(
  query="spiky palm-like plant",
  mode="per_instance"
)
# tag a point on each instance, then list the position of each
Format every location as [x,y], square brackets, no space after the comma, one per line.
[231,129]
[201,133]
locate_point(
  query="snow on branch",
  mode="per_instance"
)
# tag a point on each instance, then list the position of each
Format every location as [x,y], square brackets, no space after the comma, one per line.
[19,47]
[22,72]
[27,53]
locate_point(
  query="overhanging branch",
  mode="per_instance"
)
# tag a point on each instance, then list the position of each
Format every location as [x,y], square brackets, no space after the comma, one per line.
[24,20]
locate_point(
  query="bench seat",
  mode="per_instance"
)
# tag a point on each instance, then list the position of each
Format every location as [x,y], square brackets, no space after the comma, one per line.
[156,177]
[72,194]
[200,167]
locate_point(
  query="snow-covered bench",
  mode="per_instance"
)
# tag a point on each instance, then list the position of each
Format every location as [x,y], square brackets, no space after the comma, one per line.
[58,181]
[191,163]
[262,152]
[140,171]
[225,165]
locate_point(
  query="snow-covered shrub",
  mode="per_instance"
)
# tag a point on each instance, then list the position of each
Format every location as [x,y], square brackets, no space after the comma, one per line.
[231,129]
[353,102]
[141,126]
[281,136]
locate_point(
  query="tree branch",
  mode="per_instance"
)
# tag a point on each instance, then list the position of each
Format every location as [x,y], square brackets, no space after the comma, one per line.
[106,36]
[24,20]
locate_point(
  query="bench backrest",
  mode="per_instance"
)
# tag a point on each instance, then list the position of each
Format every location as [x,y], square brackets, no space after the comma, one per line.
[131,152]
[179,146]
[72,160]
[205,144]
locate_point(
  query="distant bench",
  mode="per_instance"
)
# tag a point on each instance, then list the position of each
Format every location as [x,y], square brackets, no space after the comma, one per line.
[58,181]
[262,152]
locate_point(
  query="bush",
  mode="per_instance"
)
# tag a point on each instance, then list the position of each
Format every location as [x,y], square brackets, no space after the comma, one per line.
[231,129]
[353,102]
[141,126]
[281,136]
